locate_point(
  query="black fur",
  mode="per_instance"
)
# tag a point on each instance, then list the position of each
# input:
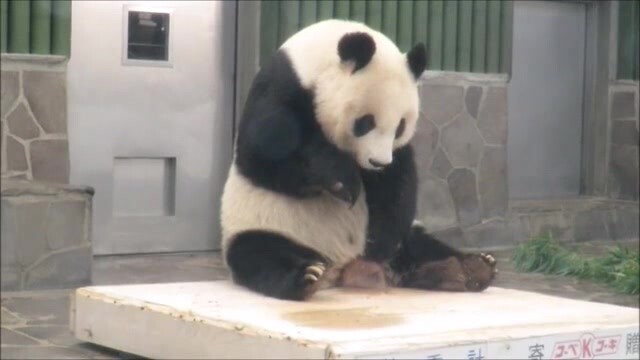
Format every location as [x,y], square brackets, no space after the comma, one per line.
[271,264]
[280,145]
[357,47]
[417,59]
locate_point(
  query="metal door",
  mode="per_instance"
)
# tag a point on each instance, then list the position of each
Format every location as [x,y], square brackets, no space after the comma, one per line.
[150,120]
[546,98]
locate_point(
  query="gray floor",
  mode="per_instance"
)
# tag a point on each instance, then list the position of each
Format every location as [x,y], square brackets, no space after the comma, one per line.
[36,324]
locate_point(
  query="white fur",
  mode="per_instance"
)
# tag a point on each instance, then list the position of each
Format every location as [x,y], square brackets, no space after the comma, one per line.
[324,223]
[385,87]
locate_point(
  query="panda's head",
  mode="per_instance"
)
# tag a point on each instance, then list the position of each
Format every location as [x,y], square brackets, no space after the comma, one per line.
[367,102]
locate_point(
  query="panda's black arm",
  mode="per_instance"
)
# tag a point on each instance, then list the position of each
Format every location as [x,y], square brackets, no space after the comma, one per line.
[283,150]
[391,200]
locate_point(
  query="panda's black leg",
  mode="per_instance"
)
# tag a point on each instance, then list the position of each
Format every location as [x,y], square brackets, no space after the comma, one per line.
[273,265]
[425,262]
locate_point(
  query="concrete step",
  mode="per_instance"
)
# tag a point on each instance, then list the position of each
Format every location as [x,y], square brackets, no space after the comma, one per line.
[46,241]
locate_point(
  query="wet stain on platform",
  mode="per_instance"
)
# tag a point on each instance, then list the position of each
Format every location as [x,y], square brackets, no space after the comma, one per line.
[356,318]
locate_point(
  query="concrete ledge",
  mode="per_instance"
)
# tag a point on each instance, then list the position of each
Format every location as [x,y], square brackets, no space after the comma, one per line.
[45,235]
[218,320]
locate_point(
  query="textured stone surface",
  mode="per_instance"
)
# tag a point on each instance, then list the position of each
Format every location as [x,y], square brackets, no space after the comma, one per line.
[623,172]
[21,123]
[435,205]
[624,132]
[491,234]
[472,100]
[16,158]
[63,269]
[34,310]
[65,225]
[623,224]
[28,227]
[462,183]
[441,103]
[8,232]
[462,141]
[54,334]
[10,279]
[492,119]
[9,90]
[10,337]
[623,105]
[424,144]
[50,160]
[441,166]
[46,93]
[8,318]
[558,223]
[590,225]
[492,182]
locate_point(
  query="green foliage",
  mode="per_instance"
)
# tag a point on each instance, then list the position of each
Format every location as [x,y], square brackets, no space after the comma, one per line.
[619,267]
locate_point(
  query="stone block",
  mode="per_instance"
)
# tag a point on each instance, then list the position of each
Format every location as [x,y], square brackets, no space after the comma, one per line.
[27,228]
[494,233]
[472,100]
[9,90]
[492,119]
[435,205]
[441,166]
[623,172]
[462,184]
[624,132]
[50,160]
[441,103]
[623,105]
[424,144]
[16,157]
[21,123]
[558,223]
[61,269]
[462,141]
[47,95]
[12,338]
[623,223]
[52,309]
[66,224]
[452,236]
[591,225]
[492,182]
[10,279]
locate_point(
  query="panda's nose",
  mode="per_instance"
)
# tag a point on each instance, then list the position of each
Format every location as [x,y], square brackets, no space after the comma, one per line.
[378,164]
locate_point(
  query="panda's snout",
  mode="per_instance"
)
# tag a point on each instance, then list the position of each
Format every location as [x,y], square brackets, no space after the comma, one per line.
[378,164]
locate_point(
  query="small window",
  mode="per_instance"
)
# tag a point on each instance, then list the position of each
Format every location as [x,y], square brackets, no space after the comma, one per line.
[148,36]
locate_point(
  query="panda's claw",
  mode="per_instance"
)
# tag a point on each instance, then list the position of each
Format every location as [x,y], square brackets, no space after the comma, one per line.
[488,258]
[314,272]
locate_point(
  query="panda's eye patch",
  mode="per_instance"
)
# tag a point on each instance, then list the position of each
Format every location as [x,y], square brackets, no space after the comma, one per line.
[400,129]
[363,125]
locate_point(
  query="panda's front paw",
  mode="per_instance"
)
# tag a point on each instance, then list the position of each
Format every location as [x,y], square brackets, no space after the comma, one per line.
[480,270]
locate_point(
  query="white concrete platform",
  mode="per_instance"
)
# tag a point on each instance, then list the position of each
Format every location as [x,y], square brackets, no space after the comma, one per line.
[217,320]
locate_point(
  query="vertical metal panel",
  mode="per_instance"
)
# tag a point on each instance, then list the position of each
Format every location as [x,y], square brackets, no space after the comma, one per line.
[358,10]
[420,21]
[390,19]
[19,13]
[450,35]
[341,9]
[463,50]
[4,23]
[436,12]
[325,9]
[308,13]
[374,14]
[405,25]
[628,19]
[493,36]
[461,35]
[61,27]
[269,21]
[479,36]
[289,19]
[40,27]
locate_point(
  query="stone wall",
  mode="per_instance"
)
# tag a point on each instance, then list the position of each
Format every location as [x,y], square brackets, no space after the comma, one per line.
[622,177]
[34,118]
[460,146]
[45,235]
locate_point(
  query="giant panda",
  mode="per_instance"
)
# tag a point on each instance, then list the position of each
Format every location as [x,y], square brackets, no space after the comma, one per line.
[322,188]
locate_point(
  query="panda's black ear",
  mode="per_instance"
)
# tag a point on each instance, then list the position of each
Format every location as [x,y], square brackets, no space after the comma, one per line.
[358,47]
[417,59]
